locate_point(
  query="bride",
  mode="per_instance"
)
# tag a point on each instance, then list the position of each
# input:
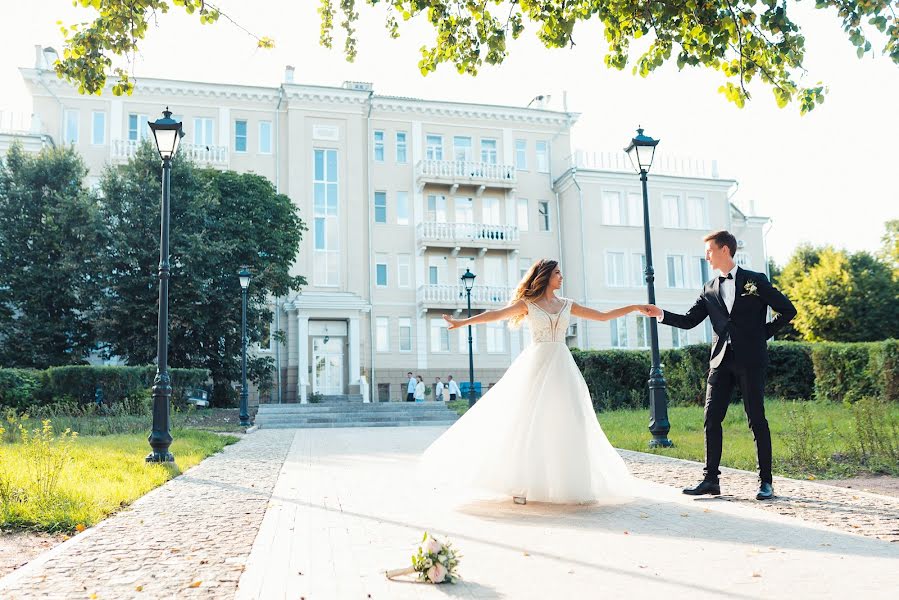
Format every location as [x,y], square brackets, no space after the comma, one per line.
[534,435]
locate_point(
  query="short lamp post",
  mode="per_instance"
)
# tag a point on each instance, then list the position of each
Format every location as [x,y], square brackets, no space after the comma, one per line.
[168,133]
[641,152]
[468,282]
[244,276]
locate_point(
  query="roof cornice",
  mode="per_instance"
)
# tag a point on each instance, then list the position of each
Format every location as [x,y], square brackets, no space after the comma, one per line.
[474,111]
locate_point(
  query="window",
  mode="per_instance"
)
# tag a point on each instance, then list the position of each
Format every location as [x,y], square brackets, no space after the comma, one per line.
[488,151]
[615,272]
[496,337]
[643,333]
[463,340]
[402,154]
[265,137]
[461,148]
[464,210]
[676,271]
[71,120]
[521,213]
[634,209]
[379,146]
[240,136]
[382,334]
[699,272]
[491,211]
[523,265]
[521,155]
[439,336]
[380,207]
[137,127]
[618,331]
[204,131]
[612,211]
[98,128]
[671,210]
[495,271]
[403,270]
[696,213]
[742,260]
[405,334]
[543,215]
[402,208]
[381,270]
[707,332]
[325,218]
[679,337]
[436,209]
[542,157]
[434,147]
[436,270]
[638,269]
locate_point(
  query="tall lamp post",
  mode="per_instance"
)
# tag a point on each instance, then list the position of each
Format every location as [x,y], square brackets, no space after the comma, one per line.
[244,276]
[168,133]
[468,282]
[641,152]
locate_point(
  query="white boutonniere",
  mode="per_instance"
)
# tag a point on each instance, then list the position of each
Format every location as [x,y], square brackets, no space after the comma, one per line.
[751,289]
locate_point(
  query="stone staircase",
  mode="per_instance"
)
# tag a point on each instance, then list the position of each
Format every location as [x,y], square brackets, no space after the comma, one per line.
[344,413]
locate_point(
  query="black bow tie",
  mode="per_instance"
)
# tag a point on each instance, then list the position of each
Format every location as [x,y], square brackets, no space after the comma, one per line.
[722,278]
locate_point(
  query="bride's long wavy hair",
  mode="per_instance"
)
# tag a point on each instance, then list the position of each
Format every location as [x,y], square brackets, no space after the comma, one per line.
[532,285]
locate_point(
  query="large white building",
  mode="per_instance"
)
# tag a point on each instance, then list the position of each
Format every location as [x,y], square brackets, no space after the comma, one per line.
[401,196]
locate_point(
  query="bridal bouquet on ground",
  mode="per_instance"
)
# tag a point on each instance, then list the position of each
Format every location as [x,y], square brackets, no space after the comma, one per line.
[436,562]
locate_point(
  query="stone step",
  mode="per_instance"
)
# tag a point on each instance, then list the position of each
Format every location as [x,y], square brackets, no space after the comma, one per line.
[372,417]
[412,408]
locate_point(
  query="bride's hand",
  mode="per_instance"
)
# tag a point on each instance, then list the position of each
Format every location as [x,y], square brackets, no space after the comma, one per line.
[650,310]
[450,322]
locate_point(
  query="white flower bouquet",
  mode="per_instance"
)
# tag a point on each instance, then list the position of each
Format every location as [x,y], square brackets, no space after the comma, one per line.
[435,562]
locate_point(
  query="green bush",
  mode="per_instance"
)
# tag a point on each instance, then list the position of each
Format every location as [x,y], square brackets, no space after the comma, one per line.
[845,372]
[23,390]
[791,374]
[17,387]
[615,378]
[685,371]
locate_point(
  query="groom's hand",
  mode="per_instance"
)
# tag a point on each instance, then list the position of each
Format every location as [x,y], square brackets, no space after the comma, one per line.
[651,310]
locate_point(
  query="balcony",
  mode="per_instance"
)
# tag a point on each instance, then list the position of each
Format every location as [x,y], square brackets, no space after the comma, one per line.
[452,297]
[454,173]
[215,156]
[484,236]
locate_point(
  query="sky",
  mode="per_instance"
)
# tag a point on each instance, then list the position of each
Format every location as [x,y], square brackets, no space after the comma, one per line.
[822,178]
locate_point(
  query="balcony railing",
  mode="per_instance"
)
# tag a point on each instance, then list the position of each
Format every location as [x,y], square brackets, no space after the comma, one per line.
[123,150]
[466,172]
[661,165]
[451,296]
[480,235]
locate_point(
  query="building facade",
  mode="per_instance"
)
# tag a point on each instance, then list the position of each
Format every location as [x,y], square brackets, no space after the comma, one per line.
[401,196]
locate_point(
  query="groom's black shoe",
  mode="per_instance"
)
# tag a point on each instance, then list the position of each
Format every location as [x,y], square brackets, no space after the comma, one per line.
[766,491]
[704,487]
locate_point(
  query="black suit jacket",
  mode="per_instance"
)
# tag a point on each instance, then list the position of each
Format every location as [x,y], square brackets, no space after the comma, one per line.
[746,324]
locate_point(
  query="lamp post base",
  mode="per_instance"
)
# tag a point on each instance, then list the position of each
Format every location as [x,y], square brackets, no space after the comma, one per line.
[160,457]
[660,442]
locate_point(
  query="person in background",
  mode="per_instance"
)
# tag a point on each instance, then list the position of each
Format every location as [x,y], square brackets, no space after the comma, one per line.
[419,389]
[453,388]
[438,389]
[410,387]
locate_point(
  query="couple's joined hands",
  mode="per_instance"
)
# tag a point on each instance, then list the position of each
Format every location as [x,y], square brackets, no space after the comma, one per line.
[650,310]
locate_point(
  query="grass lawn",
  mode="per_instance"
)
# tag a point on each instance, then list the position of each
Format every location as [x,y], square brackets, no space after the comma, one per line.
[826,452]
[104,473]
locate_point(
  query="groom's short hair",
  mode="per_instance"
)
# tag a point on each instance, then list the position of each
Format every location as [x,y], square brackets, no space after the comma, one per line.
[723,238]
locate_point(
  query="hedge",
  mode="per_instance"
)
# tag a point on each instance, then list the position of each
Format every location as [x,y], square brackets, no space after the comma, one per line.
[20,388]
[834,372]
[845,372]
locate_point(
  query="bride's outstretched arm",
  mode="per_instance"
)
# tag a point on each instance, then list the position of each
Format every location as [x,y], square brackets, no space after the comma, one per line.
[519,308]
[597,315]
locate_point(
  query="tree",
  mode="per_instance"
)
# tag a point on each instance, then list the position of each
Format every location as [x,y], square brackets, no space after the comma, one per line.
[841,297]
[49,240]
[889,250]
[742,39]
[220,221]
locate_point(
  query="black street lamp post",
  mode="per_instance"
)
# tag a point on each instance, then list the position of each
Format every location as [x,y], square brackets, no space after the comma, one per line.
[468,281]
[641,152]
[244,276]
[168,133]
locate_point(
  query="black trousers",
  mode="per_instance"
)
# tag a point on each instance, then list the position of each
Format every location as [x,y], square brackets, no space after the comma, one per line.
[452,397]
[410,397]
[719,390]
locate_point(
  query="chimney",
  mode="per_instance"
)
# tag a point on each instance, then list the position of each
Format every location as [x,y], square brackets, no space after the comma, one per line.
[288,74]
[39,57]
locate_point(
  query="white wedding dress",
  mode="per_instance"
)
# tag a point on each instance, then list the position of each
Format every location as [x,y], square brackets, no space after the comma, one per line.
[534,434]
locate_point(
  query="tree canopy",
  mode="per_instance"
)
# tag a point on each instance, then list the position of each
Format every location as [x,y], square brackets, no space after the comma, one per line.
[743,40]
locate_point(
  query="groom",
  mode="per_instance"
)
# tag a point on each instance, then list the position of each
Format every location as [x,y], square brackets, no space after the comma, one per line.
[737,304]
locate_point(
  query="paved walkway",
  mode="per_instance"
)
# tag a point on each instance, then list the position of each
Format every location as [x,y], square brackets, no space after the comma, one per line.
[345,505]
